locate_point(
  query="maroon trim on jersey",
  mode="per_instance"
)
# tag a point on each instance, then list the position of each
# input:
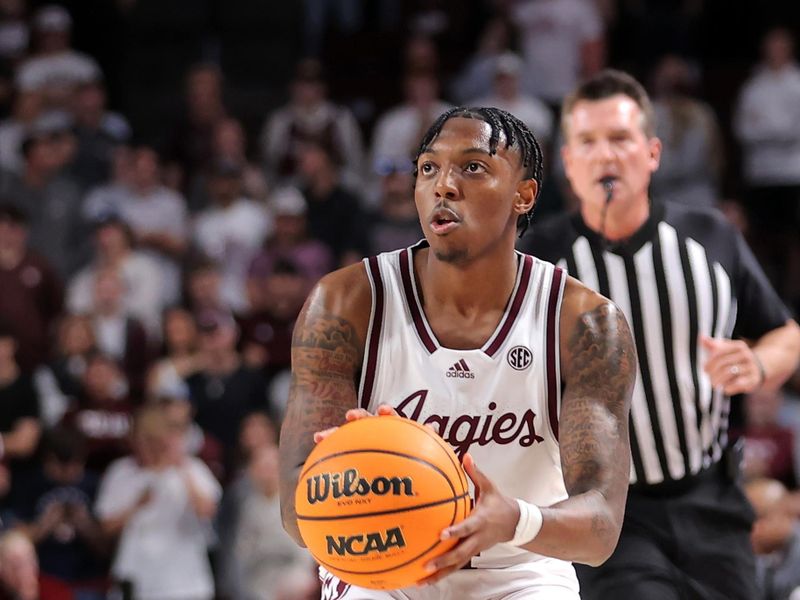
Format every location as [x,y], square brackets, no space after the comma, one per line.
[376,325]
[513,311]
[413,302]
[552,376]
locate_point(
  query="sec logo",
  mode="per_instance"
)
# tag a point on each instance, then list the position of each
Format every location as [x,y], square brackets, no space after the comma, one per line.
[519,358]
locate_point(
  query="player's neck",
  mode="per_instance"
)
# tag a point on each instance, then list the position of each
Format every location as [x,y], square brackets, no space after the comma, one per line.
[481,284]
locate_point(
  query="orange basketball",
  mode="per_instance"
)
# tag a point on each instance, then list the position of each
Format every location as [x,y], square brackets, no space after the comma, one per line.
[373,498]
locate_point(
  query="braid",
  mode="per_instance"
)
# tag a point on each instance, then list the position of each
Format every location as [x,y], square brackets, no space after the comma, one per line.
[516,133]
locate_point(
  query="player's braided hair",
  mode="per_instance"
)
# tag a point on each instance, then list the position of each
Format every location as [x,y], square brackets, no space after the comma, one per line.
[516,133]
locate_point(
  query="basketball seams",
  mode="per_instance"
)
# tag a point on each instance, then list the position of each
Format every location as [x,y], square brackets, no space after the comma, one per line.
[334,568]
[381,513]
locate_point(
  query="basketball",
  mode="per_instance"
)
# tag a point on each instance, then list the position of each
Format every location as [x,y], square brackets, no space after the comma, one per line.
[373,498]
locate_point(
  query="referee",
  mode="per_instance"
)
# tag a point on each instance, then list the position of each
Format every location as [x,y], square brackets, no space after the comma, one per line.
[707,325]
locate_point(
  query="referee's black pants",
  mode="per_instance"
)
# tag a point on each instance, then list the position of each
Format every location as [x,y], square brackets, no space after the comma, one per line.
[694,545]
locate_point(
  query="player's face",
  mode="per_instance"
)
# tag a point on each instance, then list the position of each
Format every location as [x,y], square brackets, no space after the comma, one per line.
[605,138]
[468,200]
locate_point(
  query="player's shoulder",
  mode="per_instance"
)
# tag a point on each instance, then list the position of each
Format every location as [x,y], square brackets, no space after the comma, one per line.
[342,301]
[344,288]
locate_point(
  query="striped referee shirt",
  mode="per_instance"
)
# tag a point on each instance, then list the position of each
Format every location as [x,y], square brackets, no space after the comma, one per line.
[685,272]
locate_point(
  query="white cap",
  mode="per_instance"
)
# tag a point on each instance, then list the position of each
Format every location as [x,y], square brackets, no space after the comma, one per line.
[508,63]
[52,18]
[288,201]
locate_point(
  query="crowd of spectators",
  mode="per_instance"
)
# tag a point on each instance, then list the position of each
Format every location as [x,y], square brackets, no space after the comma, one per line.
[149,285]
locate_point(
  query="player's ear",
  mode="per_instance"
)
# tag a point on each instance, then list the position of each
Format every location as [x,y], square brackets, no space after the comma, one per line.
[525,198]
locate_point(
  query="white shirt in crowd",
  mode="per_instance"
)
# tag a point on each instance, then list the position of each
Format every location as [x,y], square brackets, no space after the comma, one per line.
[143,296]
[553,33]
[161,211]
[767,122]
[66,68]
[163,548]
[230,236]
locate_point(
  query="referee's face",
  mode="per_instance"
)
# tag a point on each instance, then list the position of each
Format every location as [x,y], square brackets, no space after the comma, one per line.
[606,139]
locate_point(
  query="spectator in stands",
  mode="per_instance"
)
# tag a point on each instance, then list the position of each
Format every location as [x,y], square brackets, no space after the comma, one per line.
[276,298]
[55,67]
[224,390]
[230,145]
[19,572]
[231,230]
[203,287]
[159,502]
[75,343]
[117,333]
[395,223]
[56,510]
[334,214]
[102,413]
[192,139]
[767,122]
[692,155]
[107,199]
[478,73]
[98,132]
[507,95]
[260,557]
[14,31]
[32,293]
[49,198]
[290,241]
[180,356]
[26,108]
[141,277]
[776,540]
[398,131]
[769,445]
[310,117]
[19,405]
[562,42]
[158,218]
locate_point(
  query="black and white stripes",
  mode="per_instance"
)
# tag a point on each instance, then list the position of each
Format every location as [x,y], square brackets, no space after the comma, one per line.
[671,292]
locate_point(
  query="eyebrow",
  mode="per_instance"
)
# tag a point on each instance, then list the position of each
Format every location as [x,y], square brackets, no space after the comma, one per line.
[473,150]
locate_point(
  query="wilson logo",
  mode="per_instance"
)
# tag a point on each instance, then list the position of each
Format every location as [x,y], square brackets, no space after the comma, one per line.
[460,370]
[359,545]
[348,484]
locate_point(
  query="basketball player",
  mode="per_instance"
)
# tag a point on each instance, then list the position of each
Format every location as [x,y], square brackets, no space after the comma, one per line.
[465,334]
[686,280]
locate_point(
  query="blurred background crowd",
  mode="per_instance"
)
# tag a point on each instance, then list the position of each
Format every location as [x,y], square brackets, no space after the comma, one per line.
[175,175]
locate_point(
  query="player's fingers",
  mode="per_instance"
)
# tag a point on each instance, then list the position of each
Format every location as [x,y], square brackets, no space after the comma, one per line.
[356,413]
[455,558]
[463,529]
[386,410]
[482,483]
[321,435]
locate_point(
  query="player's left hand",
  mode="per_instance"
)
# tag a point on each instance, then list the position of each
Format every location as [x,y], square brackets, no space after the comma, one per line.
[731,365]
[354,414]
[493,521]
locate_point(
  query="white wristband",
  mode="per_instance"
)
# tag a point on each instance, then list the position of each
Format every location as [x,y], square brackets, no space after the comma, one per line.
[529,524]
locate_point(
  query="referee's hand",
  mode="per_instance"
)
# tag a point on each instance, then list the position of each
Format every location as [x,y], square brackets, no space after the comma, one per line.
[731,365]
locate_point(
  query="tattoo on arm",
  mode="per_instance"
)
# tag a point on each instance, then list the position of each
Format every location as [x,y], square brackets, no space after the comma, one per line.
[326,354]
[595,450]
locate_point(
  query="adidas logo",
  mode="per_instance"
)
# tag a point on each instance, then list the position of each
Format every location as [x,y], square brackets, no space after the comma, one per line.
[460,370]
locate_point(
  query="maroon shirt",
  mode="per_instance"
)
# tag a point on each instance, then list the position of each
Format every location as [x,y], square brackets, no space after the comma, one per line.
[32,297]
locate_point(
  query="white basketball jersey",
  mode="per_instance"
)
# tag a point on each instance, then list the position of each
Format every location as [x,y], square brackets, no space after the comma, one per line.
[500,402]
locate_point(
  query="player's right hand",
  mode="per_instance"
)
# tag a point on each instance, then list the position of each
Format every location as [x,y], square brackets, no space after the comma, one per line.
[354,414]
